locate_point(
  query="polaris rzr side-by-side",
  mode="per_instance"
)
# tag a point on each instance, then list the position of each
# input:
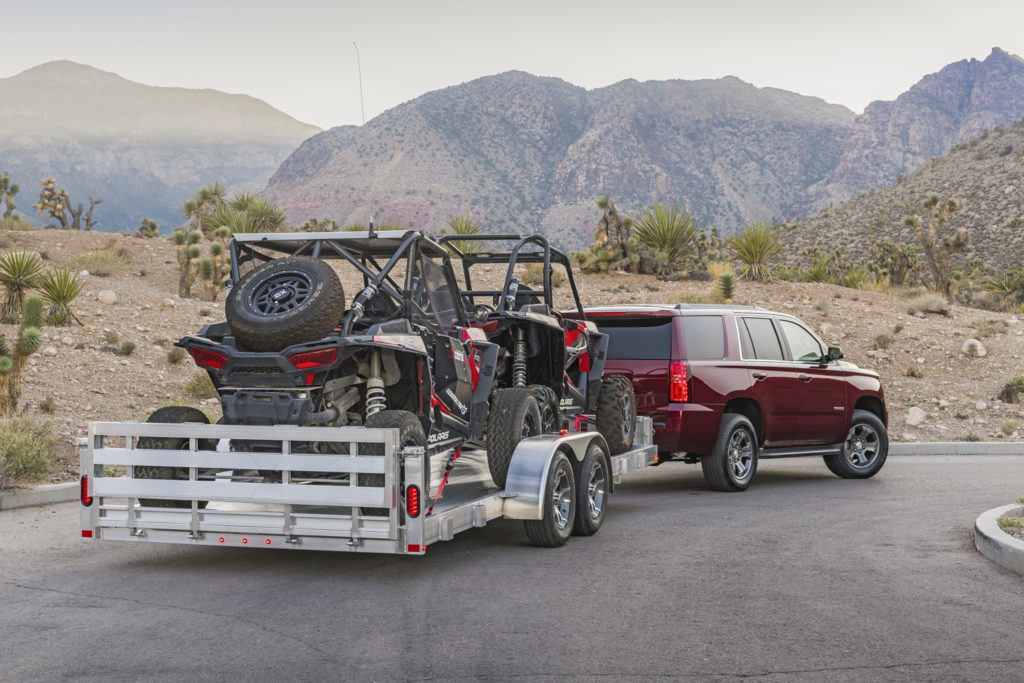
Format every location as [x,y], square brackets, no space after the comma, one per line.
[549,367]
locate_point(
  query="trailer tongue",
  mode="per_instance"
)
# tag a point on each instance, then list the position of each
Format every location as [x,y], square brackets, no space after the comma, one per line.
[302,488]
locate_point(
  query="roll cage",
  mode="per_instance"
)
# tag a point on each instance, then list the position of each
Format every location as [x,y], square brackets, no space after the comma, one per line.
[506,297]
[428,295]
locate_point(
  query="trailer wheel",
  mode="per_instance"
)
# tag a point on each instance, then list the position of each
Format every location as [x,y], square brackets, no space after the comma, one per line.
[591,492]
[616,413]
[283,302]
[168,415]
[559,504]
[514,415]
[410,433]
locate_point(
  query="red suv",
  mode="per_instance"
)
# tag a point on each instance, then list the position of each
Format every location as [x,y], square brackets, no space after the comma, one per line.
[728,385]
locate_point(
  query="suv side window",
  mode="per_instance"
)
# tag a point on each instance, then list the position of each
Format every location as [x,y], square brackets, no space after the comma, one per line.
[763,338]
[704,337]
[802,344]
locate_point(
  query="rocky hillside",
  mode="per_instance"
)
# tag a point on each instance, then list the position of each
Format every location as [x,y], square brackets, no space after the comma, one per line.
[142,149]
[985,173]
[919,358]
[895,138]
[521,152]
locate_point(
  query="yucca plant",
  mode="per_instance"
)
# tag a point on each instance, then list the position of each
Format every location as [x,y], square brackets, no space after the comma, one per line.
[753,247]
[60,287]
[463,225]
[1005,287]
[667,231]
[727,285]
[19,272]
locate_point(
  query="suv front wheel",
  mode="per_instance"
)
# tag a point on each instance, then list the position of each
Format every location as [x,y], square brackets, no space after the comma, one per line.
[731,466]
[865,448]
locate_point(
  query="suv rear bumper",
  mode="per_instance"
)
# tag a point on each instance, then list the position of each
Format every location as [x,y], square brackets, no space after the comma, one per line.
[689,427]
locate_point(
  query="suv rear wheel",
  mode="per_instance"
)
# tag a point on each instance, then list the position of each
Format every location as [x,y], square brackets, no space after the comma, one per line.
[865,448]
[731,466]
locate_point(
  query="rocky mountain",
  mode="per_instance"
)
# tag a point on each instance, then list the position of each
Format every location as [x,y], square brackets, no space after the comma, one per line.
[986,175]
[895,138]
[522,152]
[142,149]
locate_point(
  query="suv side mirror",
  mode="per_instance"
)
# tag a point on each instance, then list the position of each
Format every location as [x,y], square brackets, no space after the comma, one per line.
[834,353]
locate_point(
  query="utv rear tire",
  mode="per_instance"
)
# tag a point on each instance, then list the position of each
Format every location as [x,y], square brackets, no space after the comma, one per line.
[559,505]
[410,433]
[865,448]
[731,466]
[514,415]
[169,415]
[616,413]
[283,302]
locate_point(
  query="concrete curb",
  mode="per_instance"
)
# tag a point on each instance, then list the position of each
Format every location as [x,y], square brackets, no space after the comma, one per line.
[40,495]
[996,544]
[958,448]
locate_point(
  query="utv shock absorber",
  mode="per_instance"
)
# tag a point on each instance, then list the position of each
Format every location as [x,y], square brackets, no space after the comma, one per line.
[519,363]
[375,398]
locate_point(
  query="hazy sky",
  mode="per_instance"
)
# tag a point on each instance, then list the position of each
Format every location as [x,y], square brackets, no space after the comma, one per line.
[298,55]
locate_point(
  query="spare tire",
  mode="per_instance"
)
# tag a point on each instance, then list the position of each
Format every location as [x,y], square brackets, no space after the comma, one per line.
[283,302]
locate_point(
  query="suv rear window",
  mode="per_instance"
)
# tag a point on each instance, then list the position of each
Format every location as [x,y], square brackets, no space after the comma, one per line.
[647,338]
[704,337]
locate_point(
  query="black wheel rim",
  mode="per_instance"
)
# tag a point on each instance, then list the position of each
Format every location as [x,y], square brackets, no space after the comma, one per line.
[529,427]
[280,294]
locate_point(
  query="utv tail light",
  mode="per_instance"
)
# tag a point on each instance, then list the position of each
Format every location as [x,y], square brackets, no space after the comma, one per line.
[208,359]
[313,359]
[679,382]
[86,498]
[412,500]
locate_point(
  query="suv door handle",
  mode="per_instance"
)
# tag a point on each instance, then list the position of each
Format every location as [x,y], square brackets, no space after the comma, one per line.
[805,378]
[759,375]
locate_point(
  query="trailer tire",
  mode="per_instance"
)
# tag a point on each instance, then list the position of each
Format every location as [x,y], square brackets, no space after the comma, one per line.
[514,415]
[591,492]
[410,433]
[559,505]
[283,302]
[168,415]
[616,413]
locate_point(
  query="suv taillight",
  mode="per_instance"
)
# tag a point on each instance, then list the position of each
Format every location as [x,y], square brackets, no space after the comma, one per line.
[678,382]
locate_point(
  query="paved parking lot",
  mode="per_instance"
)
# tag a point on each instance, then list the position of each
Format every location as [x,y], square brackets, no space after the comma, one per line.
[804,576]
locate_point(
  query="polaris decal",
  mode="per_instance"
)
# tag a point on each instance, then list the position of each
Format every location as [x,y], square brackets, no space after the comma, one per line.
[438,436]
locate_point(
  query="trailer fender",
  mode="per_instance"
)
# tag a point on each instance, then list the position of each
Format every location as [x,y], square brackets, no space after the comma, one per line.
[528,470]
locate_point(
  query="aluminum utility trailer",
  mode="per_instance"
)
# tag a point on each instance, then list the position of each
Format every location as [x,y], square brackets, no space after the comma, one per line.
[282,499]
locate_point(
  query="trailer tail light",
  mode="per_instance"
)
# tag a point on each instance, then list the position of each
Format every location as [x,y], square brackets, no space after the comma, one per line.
[208,359]
[412,500]
[86,498]
[678,382]
[86,533]
[313,359]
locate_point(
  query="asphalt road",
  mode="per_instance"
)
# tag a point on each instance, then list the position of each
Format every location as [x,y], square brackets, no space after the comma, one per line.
[804,576]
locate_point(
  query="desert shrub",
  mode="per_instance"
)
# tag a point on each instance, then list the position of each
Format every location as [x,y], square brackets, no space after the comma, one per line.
[930,303]
[897,328]
[913,371]
[882,341]
[753,247]
[125,349]
[201,386]
[695,298]
[786,273]
[1017,382]
[104,262]
[1009,427]
[987,328]
[110,337]
[855,277]
[15,223]
[668,232]
[48,405]
[533,274]
[463,225]
[175,355]
[148,229]
[60,287]
[26,450]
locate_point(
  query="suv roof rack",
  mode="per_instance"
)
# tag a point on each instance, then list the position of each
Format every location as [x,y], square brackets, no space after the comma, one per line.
[728,307]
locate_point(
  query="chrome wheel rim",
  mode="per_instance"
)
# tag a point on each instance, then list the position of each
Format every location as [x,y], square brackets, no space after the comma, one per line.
[561,500]
[596,490]
[281,294]
[861,447]
[740,455]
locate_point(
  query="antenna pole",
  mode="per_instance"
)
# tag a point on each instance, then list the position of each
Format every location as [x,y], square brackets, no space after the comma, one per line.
[359,70]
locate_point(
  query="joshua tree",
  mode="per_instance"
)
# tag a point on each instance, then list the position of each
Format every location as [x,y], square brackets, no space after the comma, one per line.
[148,228]
[937,255]
[202,203]
[617,246]
[320,225]
[13,359]
[186,243]
[56,203]
[7,192]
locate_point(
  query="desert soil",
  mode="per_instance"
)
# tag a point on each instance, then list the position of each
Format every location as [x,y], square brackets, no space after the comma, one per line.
[87,382]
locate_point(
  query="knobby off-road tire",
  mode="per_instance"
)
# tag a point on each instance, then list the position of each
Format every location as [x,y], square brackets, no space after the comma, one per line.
[283,302]
[616,413]
[410,433]
[547,404]
[733,462]
[559,504]
[169,415]
[865,448]
[591,492]
[514,415]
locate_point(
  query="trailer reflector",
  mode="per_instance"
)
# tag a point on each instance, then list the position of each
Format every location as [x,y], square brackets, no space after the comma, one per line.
[268,541]
[417,548]
[244,541]
[220,540]
[86,498]
[86,533]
